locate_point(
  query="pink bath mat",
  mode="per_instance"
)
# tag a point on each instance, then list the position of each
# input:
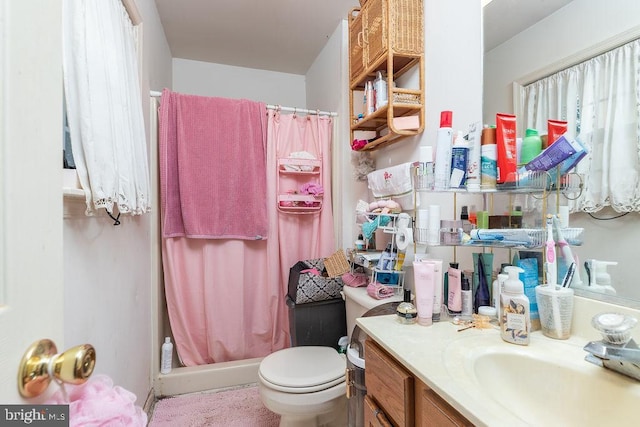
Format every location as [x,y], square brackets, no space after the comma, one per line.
[233,408]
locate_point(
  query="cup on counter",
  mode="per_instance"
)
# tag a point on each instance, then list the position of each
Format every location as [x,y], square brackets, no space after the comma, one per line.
[555,306]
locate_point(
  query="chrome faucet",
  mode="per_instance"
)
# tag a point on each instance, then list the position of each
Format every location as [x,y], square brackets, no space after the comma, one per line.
[617,350]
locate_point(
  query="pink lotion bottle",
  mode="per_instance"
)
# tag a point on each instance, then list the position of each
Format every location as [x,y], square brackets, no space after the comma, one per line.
[454,299]
[424,287]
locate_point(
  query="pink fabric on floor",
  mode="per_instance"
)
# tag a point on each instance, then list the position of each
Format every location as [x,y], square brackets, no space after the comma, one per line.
[212,167]
[98,403]
[231,408]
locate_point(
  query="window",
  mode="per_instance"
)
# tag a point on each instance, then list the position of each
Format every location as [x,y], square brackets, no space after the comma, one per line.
[104,104]
[600,100]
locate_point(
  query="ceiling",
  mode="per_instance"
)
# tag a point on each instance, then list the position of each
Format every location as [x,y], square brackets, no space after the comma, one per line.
[287,35]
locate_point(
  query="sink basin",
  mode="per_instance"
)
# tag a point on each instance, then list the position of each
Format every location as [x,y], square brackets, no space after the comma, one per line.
[546,383]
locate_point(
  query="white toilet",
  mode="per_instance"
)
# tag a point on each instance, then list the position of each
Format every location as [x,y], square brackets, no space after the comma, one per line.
[306,385]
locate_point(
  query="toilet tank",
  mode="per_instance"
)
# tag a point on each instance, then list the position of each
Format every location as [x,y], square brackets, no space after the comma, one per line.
[320,323]
[358,302]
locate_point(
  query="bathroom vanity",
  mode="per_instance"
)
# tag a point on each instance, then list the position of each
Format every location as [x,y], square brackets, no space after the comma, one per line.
[437,375]
[395,395]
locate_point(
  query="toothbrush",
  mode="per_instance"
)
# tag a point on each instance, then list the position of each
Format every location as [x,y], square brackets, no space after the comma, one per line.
[562,243]
[566,282]
[550,255]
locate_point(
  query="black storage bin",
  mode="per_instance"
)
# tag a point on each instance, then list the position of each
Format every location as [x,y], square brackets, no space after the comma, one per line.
[317,323]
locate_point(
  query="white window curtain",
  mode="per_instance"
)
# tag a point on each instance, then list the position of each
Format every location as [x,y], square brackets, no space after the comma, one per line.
[104,105]
[600,100]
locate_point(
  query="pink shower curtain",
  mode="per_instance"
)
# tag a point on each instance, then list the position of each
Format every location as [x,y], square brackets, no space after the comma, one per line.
[302,236]
[226,298]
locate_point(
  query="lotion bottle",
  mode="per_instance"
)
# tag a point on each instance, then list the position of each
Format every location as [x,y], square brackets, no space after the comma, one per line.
[167,356]
[515,319]
[467,297]
[497,288]
[380,87]
[454,300]
[370,99]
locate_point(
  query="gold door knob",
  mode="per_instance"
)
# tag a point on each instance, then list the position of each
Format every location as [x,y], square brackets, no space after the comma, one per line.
[41,363]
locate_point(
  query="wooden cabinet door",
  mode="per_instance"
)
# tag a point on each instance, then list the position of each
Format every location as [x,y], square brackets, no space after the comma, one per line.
[434,411]
[375,30]
[390,384]
[356,46]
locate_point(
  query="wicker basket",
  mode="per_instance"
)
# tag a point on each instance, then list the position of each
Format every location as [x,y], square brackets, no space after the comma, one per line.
[406,98]
[362,2]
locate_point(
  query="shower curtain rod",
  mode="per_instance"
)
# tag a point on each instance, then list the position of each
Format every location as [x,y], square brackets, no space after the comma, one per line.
[302,110]
[156,93]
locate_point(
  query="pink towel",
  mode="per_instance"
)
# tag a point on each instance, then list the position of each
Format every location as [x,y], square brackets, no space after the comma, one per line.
[355,280]
[379,291]
[212,167]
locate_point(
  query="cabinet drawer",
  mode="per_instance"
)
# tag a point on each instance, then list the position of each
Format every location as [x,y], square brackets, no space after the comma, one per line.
[389,384]
[373,415]
[434,411]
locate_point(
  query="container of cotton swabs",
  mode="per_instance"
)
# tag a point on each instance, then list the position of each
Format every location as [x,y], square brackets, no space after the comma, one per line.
[555,302]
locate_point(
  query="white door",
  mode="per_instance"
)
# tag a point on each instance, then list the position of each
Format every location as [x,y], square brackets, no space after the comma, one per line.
[31,288]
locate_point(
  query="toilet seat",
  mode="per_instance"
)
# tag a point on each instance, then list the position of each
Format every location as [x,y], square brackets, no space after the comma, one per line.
[304,369]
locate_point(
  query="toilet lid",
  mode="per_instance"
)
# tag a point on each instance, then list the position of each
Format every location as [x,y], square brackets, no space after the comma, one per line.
[303,369]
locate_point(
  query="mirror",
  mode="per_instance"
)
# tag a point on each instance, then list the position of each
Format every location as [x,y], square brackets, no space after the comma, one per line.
[572,31]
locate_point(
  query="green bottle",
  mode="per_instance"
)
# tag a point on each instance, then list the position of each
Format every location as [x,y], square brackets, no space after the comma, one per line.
[531,146]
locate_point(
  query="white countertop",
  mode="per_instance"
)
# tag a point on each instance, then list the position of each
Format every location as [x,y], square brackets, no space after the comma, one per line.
[437,355]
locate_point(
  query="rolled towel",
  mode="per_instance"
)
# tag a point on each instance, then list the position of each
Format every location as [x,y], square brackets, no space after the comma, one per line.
[379,291]
[355,280]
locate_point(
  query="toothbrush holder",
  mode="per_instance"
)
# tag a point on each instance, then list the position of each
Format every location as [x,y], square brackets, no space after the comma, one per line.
[555,305]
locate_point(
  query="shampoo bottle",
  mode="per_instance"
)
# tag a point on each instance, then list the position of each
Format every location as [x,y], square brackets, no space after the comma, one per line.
[167,356]
[515,321]
[488,159]
[531,146]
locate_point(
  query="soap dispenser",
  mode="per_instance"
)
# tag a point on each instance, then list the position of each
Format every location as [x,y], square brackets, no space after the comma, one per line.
[599,278]
[515,319]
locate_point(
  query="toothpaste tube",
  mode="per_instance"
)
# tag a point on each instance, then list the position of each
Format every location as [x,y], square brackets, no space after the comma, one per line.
[506,148]
[555,129]
[554,154]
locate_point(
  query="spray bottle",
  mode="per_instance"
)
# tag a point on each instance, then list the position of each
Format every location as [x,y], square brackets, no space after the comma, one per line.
[443,151]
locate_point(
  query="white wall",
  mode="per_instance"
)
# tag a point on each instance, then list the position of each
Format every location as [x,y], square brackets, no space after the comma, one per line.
[576,27]
[209,79]
[327,89]
[453,81]
[107,269]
